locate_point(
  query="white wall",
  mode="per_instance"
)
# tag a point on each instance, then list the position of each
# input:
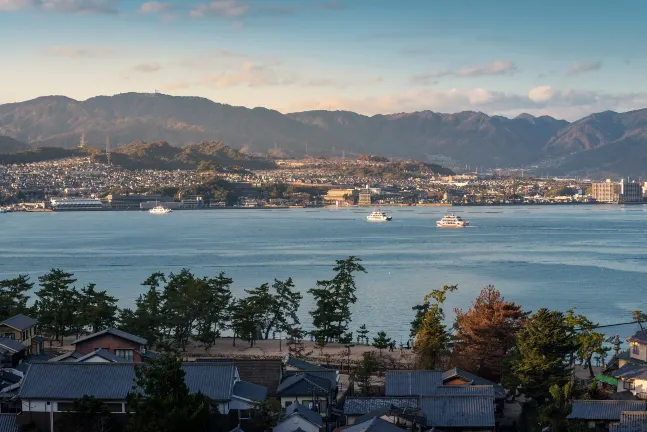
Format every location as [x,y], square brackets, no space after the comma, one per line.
[239,404]
[293,423]
[305,400]
[640,386]
[34,406]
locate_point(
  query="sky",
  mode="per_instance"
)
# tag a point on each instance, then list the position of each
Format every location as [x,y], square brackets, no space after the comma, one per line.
[561,58]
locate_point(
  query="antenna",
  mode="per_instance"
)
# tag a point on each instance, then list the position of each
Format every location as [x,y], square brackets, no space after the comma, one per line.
[82,143]
[108,150]
[306,149]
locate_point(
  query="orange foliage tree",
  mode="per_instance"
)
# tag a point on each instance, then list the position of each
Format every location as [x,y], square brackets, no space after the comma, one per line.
[485,334]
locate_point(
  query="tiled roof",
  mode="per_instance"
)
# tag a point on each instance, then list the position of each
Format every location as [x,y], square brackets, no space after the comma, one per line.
[303,385]
[113,381]
[9,377]
[266,373]
[68,356]
[11,344]
[8,423]
[305,412]
[473,379]
[20,322]
[458,411]
[249,391]
[364,405]
[604,409]
[631,421]
[640,336]
[328,374]
[150,355]
[304,365]
[464,390]
[114,332]
[374,425]
[104,355]
[631,371]
[412,383]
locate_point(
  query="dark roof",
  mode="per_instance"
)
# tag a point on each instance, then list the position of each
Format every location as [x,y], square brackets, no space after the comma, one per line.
[631,371]
[8,376]
[150,355]
[639,336]
[250,391]
[411,383]
[114,332]
[68,356]
[623,395]
[20,322]
[374,425]
[458,411]
[266,373]
[113,381]
[104,355]
[631,421]
[304,365]
[328,374]
[373,414]
[604,409]
[8,423]
[364,405]
[472,379]
[304,385]
[11,344]
[464,390]
[305,412]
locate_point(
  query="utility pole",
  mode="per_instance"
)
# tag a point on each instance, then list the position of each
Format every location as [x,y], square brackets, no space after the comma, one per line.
[82,143]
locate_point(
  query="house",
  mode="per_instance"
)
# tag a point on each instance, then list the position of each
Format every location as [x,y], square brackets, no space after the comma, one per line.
[312,391]
[129,347]
[357,407]
[374,425]
[411,383]
[300,417]
[603,412]
[266,373]
[630,421]
[49,388]
[12,352]
[8,423]
[458,412]
[24,330]
[460,377]
[632,378]
[295,366]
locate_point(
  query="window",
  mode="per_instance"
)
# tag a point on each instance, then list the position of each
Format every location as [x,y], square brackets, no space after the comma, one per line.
[635,349]
[10,335]
[244,414]
[112,407]
[126,354]
[629,385]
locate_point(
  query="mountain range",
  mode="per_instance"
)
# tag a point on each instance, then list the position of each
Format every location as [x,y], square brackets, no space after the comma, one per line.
[602,143]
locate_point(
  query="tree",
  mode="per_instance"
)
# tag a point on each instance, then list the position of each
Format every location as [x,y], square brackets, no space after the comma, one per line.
[333,299]
[56,304]
[13,300]
[381,341]
[544,347]
[87,414]
[587,341]
[264,416]
[432,336]
[213,311]
[161,402]
[246,314]
[485,334]
[97,309]
[296,348]
[147,320]
[182,293]
[279,307]
[420,311]
[361,375]
[560,405]
[362,333]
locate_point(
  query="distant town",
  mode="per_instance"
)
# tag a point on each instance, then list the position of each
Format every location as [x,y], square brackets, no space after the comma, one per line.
[83,183]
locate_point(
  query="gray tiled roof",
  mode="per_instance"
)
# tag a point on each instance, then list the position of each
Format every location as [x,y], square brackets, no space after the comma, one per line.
[20,322]
[304,365]
[412,383]
[640,335]
[374,425]
[364,405]
[114,332]
[113,381]
[631,421]
[11,344]
[305,412]
[68,356]
[303,385]
[9,377]
[473,379]
[266,373]
[8,423]
[464,390]
[104,355]
[458,411]
[328,374]
[604,409]
[250,391]
[631,371]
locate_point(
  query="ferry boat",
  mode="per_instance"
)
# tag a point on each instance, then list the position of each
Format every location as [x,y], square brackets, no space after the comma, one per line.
[378,216]
[158,209]
[452,221]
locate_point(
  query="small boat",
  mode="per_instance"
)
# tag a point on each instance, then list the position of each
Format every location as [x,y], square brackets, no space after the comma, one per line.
[378,216]
[2,211]
[452,221]
[158,209]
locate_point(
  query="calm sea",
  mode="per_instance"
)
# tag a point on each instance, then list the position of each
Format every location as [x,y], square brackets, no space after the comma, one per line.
[590,257]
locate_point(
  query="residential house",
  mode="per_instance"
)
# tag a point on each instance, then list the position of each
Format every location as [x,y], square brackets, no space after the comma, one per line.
[411,383]
[632,378]
[374,425]
[636,354]
[317,393]
[300,417]
[49,388]
[357,407]
[630,421]
[294,366]
[24,330]
[603,412]
[129,347]
[460,377]
[457,412]
[12,352]
[8,423]
[266,373]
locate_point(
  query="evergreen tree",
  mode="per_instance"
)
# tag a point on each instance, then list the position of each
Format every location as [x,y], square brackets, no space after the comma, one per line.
[296,347]
[432,336]
[56,304]
[560,404]
[333,299]
[362,332]
[544,346]
[13,300]
[485,334]
[161,401]
[586,339]
[362,374]
[213,309]
[97,309]
[381,341]
[420,311]
[245,317]
[181,295]
[147,319]
[87,414]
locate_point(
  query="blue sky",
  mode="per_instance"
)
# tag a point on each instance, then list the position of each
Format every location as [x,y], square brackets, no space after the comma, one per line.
[561,58]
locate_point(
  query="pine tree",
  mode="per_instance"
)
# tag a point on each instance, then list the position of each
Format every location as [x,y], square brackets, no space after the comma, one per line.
[296,347]
[97,309]
[13,300]
[56,304]
[432,336]
[381,341]
[87,414]
[362,332]
[146,320]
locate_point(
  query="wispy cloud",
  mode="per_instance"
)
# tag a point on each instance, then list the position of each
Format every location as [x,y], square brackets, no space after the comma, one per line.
[62,6]
[583,67]
[147,67]
[155,7]
[497,67]
[14,5]
[220,8]
[74,52]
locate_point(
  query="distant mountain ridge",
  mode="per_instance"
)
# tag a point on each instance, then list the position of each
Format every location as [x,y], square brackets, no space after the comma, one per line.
[10,145]
[603,142]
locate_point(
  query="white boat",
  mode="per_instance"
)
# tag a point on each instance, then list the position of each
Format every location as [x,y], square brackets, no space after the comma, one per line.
[452,221]
[158,209]
[378,216]
[3,211]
